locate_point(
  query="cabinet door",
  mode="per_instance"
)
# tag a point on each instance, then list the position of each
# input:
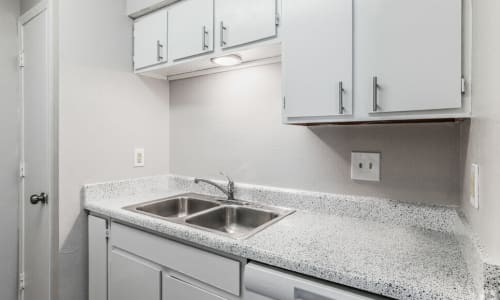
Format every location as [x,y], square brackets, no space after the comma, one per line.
[150,40]
[413,50]
[245,21]
[98,259]
[317,58]
[191,28]
[132,279]
[176,289]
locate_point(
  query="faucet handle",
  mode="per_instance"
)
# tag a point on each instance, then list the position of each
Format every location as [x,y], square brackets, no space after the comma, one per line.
[227,177]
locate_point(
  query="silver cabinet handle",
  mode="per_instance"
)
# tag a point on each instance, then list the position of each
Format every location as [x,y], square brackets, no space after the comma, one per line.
[159,50]
[375,93]
[222,30]
[204,44]
[341,98]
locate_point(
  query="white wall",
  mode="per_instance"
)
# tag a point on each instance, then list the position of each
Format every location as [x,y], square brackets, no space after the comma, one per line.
[232,122]
[481,138]
[9,148]
[105,111]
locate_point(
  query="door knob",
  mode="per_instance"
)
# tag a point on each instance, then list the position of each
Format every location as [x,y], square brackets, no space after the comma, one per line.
[44,198]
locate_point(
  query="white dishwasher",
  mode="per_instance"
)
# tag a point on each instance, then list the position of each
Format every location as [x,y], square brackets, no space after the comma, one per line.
[267,283]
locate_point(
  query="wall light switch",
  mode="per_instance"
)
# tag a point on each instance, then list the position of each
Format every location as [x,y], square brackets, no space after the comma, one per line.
[139,157]
[365,166]
[474,186]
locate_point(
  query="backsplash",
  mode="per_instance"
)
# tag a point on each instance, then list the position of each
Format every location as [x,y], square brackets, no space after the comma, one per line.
[231,122]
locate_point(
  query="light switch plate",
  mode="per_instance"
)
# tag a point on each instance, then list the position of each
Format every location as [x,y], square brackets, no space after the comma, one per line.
[139,157]
[474,186]
[365,166]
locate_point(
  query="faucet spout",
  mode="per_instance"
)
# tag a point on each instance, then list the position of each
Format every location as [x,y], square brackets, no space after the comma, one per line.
[229,191]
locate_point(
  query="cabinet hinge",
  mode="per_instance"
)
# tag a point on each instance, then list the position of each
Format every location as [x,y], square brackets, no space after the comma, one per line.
[277,19]
[22,170]
[21,281]
[21,60]
[463,85]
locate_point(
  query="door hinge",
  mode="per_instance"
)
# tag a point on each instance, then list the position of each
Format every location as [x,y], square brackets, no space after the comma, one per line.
[21,281]
[463,85]
[107,233]
[277,20]
[284,102]
[22,170]
[21,60]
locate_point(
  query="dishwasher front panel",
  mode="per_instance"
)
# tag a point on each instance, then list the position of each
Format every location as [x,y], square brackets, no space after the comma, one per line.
[267,283]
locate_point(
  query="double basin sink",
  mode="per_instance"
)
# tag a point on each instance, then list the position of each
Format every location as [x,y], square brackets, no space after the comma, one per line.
[233,218]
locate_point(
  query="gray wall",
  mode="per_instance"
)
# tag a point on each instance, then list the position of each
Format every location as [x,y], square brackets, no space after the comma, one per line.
[27,4]
[481,138]
[105,111]
[232,122]
[9,148]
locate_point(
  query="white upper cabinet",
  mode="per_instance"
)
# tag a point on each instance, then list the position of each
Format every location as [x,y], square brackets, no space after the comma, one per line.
[191,28]
[150,40]
[245,21]
[407,55]
[317,58]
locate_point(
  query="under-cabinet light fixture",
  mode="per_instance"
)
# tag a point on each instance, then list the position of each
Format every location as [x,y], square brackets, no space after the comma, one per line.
[227,60]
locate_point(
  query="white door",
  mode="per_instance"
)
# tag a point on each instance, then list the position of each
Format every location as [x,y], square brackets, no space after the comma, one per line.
[191,28]
[36,140]
[150,40]
[245,21]
[408,54]
[317,58]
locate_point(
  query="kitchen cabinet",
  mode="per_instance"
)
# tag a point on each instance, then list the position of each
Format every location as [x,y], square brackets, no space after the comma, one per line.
[137,8]
[98,262]
[191,27]
[175,289]
[150,40]
[245,21]
[317,58]
[132,279]
[408,55]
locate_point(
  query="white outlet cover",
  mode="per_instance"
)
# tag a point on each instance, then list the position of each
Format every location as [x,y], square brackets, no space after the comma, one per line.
[365,166]
[139,157]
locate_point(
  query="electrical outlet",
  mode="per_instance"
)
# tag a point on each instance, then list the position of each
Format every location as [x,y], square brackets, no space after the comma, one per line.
[365,166]
[139,157]
[474,186]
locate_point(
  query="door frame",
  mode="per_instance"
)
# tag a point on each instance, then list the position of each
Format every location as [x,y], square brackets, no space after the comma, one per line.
[47,6]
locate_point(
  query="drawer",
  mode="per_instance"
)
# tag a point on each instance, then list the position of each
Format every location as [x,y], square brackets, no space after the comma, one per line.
[175,289]
[215,270]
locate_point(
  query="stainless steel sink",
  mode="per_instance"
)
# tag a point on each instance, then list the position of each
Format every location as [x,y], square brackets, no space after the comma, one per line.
[233,218]
[177,207]
[236,221]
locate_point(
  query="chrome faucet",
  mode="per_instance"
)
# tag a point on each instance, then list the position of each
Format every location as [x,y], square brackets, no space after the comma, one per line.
[229,191]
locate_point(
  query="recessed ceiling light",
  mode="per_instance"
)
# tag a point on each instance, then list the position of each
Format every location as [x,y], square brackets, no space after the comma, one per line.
[227,60]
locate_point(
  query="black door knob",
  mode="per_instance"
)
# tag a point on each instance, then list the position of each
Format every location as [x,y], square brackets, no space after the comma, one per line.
[44,198]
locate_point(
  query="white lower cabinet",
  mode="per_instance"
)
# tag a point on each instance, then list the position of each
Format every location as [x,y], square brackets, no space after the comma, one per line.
[132,279]
[130,264]
[177,289]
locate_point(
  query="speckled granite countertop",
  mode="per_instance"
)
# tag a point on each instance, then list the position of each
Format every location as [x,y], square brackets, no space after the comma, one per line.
[394,259]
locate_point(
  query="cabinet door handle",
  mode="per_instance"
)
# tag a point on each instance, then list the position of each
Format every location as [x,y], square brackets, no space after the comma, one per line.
[159,50]
[222,30]
[375,93]
[341,98]
[204,44]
